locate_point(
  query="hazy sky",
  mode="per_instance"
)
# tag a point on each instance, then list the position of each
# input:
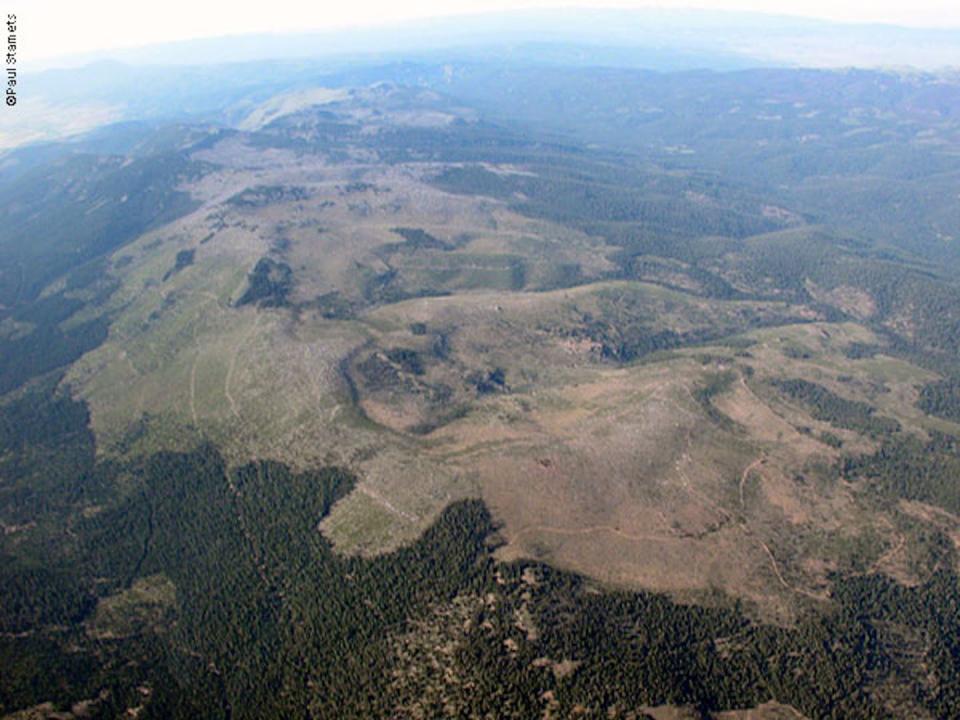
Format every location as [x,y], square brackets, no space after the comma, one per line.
[50,28]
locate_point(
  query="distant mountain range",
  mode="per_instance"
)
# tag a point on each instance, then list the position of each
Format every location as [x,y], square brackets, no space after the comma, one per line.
[650,38]
[74,94]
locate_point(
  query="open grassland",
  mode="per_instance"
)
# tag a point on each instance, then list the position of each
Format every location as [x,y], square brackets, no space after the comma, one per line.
[766,711]
[445,346]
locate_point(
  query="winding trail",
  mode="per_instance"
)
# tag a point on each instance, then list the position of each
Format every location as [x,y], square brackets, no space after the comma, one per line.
[746,473]
[901,541]
[890,553]
[757,463]
[788,586]
[688,486]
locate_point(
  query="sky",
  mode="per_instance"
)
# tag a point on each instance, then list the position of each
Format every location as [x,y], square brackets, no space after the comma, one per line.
[52,28]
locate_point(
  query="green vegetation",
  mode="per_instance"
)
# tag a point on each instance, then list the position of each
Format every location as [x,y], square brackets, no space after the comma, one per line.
[408,360]
[418,239]
[930,610]
[908,468]
[270,284]
[630,322]
[941,398]
[830,407]
[716,384]
[263,195]
[332,305]
[644,212]
[71,211]
[48,346]
[184,259]
[489,382]
[836,146]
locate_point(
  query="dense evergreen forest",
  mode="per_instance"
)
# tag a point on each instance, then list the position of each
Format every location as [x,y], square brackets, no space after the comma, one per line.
[942,398]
